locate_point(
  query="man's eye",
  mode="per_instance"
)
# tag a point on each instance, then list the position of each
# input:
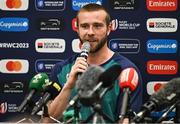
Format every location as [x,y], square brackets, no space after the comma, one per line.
[98,26]
[84,26]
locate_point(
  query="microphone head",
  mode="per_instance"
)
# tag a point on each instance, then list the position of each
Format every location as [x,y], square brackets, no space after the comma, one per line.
[168,94]
[110,75]
[38,81]
[85,49]
[86,46]
[86,83]
[89,79]
[53,88]
[128,79]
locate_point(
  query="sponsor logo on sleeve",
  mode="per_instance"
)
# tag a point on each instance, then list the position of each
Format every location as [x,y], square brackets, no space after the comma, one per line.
[14,66]
[14,5]
[162,5]
[50,45]
[162,46]
[162,67]
[162,25]
[125,45]
[154,86]
[45,65]
[123,4]
[76,46]
[78,4]
[50,5]
[14,24]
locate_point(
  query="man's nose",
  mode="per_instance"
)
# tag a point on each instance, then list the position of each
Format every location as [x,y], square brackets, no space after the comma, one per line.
[91,31]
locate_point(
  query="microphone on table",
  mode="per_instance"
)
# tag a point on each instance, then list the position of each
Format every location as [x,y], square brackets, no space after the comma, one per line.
[166,96]
[128,81]
[87,82]
[36,84]
[105,79]
[51,90]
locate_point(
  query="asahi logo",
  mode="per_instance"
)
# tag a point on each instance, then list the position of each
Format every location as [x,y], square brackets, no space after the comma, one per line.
[162,25]
[162,5]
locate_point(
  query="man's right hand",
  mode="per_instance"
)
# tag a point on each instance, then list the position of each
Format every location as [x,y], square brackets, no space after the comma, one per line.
[79,67]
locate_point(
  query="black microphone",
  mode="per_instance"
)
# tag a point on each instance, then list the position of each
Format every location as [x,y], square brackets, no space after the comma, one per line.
[128,81]
[85,49]
[36,84]
[86,83]
[104,80]
[51,90]
[166,96]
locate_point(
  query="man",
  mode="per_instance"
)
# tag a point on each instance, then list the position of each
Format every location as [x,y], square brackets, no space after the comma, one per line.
[94,26]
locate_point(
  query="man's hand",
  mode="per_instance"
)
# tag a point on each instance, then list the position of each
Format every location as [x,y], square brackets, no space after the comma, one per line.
[79,67]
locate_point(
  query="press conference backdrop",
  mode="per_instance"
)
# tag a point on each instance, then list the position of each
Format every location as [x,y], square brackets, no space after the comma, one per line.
[36,34]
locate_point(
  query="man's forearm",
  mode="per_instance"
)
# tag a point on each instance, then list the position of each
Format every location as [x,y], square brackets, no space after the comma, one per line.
[57,107]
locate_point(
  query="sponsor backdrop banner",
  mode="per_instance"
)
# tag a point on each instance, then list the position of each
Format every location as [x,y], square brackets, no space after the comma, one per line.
[36,34]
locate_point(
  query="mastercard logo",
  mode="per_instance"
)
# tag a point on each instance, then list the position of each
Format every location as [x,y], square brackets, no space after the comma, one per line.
[14,4]
[14,66]
[155,86]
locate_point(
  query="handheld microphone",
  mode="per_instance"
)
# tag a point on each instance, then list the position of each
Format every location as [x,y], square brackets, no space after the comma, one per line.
[36,84]
[166,96]
[128,82]
[85,49]
[51,90]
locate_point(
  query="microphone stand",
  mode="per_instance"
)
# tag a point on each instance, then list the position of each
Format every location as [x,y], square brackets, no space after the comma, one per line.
[98,114]
[75,104]
[76,112]
[167,112]
[125,105]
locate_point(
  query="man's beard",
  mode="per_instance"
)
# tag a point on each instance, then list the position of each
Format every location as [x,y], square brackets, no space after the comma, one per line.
[99,45]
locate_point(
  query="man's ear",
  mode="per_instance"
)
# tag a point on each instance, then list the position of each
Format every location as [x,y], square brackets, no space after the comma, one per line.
[109,29]
[108,32]
[77,30]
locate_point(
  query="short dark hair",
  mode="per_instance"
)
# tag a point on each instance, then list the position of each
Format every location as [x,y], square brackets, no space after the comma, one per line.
[94,7]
